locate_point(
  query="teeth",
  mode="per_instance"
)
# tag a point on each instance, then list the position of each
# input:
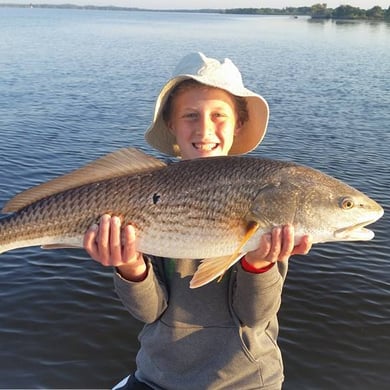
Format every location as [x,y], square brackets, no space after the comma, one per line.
[206,147]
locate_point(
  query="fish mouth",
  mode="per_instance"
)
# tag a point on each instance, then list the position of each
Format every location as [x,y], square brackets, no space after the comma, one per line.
[356,232]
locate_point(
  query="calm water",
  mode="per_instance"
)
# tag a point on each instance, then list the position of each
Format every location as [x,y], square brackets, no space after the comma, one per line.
[77,84]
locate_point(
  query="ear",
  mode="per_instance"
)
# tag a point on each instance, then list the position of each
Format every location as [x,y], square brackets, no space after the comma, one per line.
[238,128]
[171,129]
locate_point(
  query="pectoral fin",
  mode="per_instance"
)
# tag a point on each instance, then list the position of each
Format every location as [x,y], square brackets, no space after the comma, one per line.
[211,268]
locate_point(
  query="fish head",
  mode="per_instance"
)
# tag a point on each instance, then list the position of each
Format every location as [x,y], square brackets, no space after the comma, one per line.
[345,217]
[333,210]
[316,204]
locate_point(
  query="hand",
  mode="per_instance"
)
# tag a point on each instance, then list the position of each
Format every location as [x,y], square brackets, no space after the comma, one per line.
[278,246]
[106,245]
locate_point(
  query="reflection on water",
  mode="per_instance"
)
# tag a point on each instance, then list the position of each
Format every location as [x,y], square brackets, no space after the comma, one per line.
[75,85]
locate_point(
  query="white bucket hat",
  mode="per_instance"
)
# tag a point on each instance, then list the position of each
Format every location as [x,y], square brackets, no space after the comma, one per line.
[225,75]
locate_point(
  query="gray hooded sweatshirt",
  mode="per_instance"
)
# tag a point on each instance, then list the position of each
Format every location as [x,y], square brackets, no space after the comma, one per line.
[219,336]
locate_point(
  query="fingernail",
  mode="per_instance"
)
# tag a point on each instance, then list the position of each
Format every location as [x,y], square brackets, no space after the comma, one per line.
[106,217]
[94,227]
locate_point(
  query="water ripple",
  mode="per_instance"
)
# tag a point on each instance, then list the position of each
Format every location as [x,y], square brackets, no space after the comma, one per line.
[75,85]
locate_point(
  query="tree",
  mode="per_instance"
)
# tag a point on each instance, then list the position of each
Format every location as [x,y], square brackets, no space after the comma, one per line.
[387,14]
[348,12]
[375,13]
[320,11]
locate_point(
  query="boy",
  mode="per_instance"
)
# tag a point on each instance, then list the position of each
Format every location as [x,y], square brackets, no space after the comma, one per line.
[222,335]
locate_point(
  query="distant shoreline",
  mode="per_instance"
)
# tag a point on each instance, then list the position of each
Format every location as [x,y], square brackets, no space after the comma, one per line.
[317,11]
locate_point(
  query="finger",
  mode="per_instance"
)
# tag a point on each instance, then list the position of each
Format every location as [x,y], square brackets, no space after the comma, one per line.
[104,239]
[276,244]
[287,242]
[115,241]
[265,246]
[89,241]
[262,252]
[128,250]
[304,246]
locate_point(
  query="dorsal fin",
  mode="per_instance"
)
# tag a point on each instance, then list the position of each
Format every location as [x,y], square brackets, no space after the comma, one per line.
[119,163]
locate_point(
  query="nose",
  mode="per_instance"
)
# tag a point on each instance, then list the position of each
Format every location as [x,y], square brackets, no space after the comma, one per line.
[205,126]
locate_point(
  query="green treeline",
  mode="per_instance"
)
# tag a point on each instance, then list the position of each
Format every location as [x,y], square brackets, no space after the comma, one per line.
[349,12]
[319,11]
[316,11]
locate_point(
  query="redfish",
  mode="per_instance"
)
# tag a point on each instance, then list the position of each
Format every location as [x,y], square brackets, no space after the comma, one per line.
[214,208]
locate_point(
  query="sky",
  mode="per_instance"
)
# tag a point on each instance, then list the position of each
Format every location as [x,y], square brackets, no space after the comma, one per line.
[198,4]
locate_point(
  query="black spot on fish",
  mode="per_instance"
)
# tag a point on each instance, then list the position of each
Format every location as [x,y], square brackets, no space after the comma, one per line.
[156,198]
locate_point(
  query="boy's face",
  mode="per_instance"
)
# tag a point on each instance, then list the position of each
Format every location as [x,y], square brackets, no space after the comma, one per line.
[204,122]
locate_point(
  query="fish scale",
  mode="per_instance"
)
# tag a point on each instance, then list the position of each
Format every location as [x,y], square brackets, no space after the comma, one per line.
[210,208]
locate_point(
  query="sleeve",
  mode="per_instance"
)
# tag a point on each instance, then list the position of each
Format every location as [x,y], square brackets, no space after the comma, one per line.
[145,300]
[256,298]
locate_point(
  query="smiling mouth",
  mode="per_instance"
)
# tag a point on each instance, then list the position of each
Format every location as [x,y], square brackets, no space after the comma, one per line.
[208,147]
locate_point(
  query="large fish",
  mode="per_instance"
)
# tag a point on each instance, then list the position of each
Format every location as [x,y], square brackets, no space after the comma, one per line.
[211,208]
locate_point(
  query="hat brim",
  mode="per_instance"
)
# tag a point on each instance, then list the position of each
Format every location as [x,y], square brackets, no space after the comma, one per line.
[251,133]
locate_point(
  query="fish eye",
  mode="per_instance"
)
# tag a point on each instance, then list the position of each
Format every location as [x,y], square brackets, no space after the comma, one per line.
[347,203]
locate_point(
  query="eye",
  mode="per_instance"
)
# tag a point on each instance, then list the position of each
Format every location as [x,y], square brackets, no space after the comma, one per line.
[190,115]
[219,115]
[347,203]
